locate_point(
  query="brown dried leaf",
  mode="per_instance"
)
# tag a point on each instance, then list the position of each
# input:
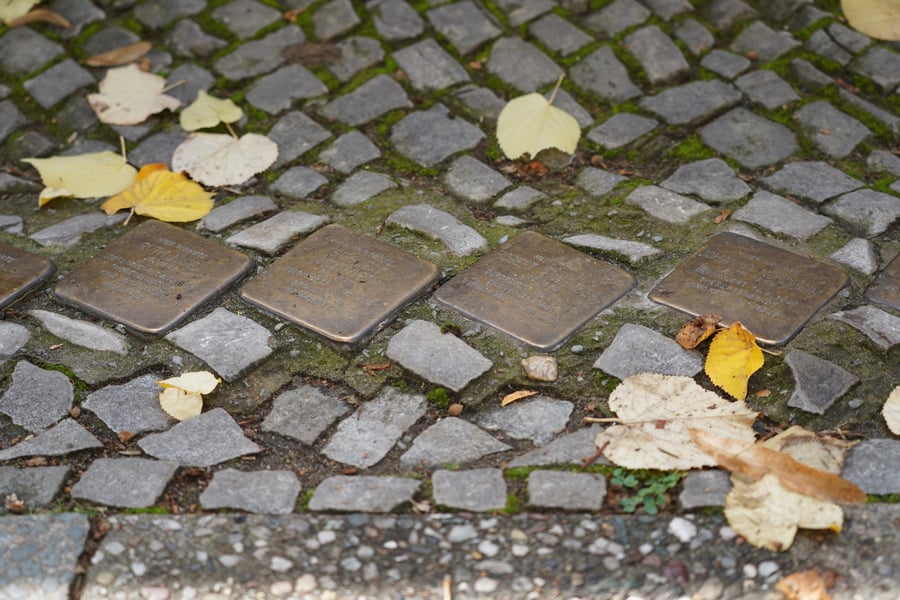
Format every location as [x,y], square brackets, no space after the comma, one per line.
[696,331]
[41,15]
[119,56]
[722,216]
[755,461]
[804,585]
[510,398]
[455,409]
[14,504]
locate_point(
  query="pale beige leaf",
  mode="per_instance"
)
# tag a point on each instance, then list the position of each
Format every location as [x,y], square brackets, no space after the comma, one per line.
[207,111]
[891,411]
[119,56]
[180,404]
[85,175]
[768,515]
[11,10]
[512,397]
[219,159]
[128,96]
[656,411]
[879,19]
[201,382]
[530,123]
[811,449]
[804,585]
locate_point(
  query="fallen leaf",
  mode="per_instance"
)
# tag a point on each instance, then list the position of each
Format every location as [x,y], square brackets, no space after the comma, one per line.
[891,411]
[530,123]
[119,56]
[655,413]
[162,194]
[312,54]
[207,111]
[455,409]
[40,15]
[755,461]
[768,515]
[90,175]
[510,398]
[128,96]
[694,332]
[722,216]
[811,448]
[11,10]
[14,504]
[733,357]
[762,393]
[804,585]
[181,396]
[221,159]
[879,19]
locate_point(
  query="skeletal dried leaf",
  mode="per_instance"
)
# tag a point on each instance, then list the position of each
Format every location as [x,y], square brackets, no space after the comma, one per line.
[694,332]
[119,56]
[655,413]
[733,357]
[128,96]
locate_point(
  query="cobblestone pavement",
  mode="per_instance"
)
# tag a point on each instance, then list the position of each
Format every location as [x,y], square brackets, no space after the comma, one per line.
[356,446]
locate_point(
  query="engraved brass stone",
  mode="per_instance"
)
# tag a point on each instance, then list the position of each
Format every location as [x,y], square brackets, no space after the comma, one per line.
[536,290]
[20,272]
[886,287]
[340,284]
[771,291]
[153,277]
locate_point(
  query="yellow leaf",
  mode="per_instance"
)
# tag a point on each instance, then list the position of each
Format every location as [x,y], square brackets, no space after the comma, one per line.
[220,159]
[510,398]
[206,111]
[530,123]
[83,176]
[11,10]
[163,195]
[891,411]
[733,357]
[655,413]
[876,18]
[128,96]
[181,396]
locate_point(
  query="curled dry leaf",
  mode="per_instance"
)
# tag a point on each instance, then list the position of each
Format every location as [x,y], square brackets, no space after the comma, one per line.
[162,194]
[891,411]
[220,159]
[181,396]
[879,19]
[530,123]
[128,96]
[10,10]
[733,357]
[90,175]
[694,332]
[207,111]
[119,56]
[804,585]
[510,398]
[655,413]
[40,15]
[755,461]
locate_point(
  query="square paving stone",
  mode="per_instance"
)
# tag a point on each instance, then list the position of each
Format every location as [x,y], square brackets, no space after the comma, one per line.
[369,101]
[208,439]
[57,82]
[771,291]
[263,492]
[748,138]
[340,284]
[464,24]
[153,277]
[124,482]
[886,287]
[477,489]
[430,136]
[35,486]
[20,272]
[536,290]
[362,493]
[569,491]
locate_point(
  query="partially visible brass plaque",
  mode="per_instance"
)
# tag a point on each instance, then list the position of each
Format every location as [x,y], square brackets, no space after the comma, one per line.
[20,272]
[536,290]
[153,277]
[886,287]
[771,291]
[340,284]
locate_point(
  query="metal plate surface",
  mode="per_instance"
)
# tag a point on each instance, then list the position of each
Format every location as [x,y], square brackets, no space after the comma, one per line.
[536,290]
[340,284]
[886,287]
[20,272]
[153,277]
[771,291]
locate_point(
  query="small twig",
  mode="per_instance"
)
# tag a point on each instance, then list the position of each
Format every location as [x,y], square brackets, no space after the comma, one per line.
[447,587]
[370,369]
[231,131]
[603,420]
[556,88]
[586,462]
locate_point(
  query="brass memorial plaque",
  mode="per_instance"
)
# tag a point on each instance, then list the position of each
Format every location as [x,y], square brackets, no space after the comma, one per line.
[886,287]
[340,284]
[771,291]
[20,272]
[536,290]
[153,277]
